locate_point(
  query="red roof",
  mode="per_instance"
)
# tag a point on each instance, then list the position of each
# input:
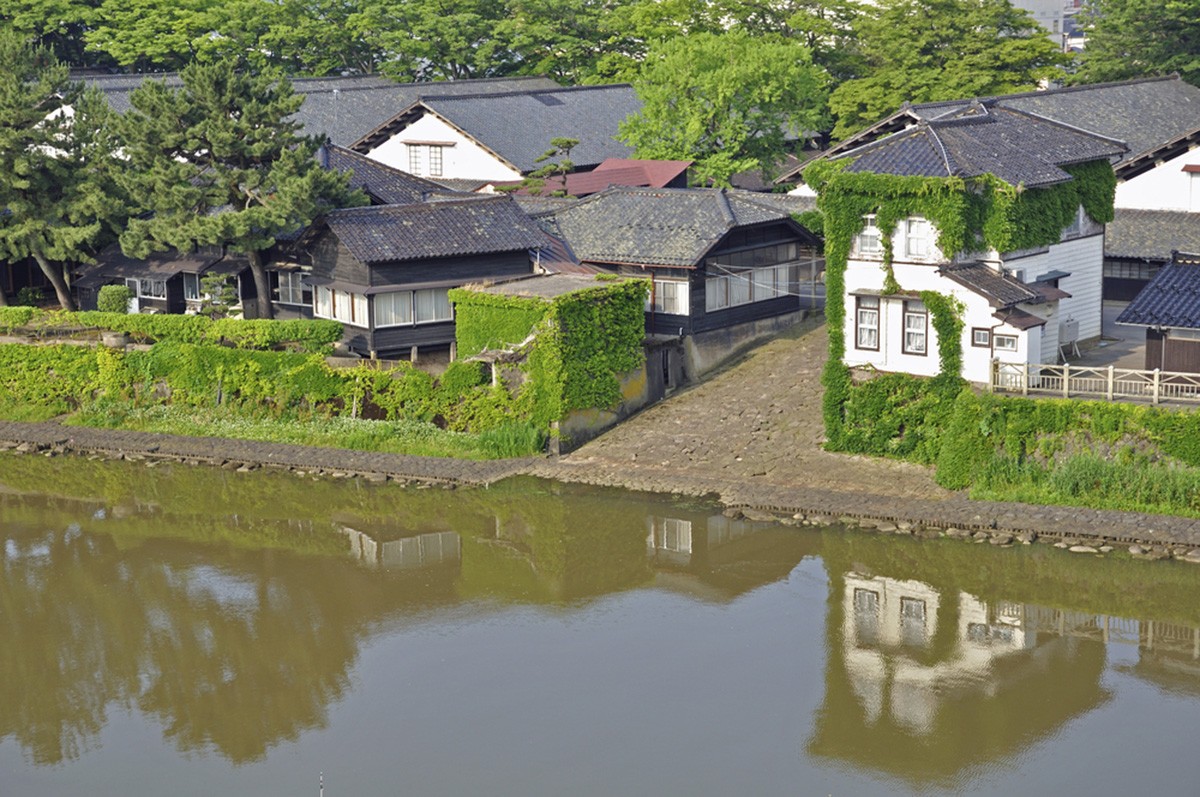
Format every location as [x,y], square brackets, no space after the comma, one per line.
[614,171]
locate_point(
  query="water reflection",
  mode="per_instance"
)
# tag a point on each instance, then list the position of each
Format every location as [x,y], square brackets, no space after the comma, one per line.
[235,620]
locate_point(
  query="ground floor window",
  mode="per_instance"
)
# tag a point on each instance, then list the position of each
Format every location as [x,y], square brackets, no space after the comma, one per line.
[981,338]
[349,308]
[191,287]
[1004,342]
[916,322]
[670,297]
[289,288]
[147,288]
[866,332]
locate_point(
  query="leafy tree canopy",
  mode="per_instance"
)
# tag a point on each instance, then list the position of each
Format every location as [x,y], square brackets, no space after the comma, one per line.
[219,162]
[928,50]
[727,101]
[1137,38]
[56,165]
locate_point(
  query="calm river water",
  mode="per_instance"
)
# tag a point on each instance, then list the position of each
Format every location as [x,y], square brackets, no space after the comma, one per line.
[190,631]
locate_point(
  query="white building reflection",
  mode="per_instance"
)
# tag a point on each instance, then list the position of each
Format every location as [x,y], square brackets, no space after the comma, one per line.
[405,553]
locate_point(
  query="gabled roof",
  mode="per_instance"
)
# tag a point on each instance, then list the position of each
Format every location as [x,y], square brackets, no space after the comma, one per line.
[1172,299]
[384,184]
[1151,234]
[517,126]
[111,263]
[657,227]
[342,108]
[1015,146]
[1156,117]
[613,171]
[390,233]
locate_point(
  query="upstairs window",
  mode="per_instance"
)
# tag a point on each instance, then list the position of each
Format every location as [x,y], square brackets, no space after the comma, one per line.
[414,158]
[869,242]
[918,238]
[1075,228]
[435,160]
[670,297]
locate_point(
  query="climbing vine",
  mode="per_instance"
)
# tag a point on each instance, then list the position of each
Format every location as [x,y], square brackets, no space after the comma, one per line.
[969,215]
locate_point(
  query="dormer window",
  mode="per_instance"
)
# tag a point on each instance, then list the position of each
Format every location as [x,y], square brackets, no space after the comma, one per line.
[869,242]
[918,238]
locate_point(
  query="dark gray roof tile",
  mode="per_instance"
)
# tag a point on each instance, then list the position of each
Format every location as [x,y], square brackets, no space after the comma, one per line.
[1172,299]
[473,226]
[1151,234]
[1000,289]
[384,184]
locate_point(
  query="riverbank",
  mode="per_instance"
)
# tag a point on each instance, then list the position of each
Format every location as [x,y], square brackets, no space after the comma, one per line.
[749,436]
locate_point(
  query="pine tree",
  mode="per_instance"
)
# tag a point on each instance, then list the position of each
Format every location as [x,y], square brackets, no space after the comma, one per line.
[219,161]
[57,196]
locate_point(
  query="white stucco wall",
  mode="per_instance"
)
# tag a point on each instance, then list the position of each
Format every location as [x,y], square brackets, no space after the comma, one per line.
[1165,187]
[461,158]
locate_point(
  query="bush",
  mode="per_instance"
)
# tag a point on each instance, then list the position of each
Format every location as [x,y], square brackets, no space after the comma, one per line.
[113,299]
[30,297]
[14,317]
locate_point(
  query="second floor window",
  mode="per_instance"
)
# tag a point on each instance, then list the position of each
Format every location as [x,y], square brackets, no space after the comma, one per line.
[918,238]
[670,297]
[869,242]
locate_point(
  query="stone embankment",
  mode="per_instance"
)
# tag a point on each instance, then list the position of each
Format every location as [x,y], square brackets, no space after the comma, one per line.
[751,436]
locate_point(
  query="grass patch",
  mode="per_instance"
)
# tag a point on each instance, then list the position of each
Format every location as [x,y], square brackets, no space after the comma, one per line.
[414,438]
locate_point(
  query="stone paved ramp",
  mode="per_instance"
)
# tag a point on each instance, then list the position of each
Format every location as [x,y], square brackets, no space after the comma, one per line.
[752,436]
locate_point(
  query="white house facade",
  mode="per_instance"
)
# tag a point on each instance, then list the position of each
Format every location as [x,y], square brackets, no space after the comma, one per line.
[1173,184]
[433,148]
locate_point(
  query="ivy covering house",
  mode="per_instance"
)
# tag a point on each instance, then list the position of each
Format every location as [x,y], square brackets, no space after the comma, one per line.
[960,242]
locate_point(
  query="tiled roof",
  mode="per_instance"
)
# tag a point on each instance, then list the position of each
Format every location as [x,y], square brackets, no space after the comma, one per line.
[1000,289]
[111,263]
[518,125]
[1142,113]
[343,108]
[1172,299]
[1018,148]
[662,227]
[384,184]
[473,226]
[1151,234]
[788,203]
[1019,319]
[614,171]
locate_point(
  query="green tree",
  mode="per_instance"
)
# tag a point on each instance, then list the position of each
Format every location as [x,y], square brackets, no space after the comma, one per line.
[219,162]
[57,25]
[149,35]
[726,101]
[436,39]
[56,164]
[826,27]
[565,39]
[1136,38]
[928,50]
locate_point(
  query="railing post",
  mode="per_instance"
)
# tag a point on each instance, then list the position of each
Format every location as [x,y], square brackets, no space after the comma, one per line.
[1025,379]
[1156,384]
[1066,380]
[1110,383]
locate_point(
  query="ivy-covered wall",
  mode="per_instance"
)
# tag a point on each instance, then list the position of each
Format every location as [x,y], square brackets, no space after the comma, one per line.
[970,216]
[585,340]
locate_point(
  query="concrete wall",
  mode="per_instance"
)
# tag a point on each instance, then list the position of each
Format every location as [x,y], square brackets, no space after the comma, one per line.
[708,350]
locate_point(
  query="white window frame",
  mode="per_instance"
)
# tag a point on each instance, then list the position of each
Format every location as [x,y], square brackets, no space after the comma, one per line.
[869,242]
[190,282]
[915,340]
[436,159]
[415,162]
[1075,228]
[146,289]
[436,319]
[386,305]
[918,238]
[1007,343]
[349,308]
[671,297]
[294,291]
[866,322]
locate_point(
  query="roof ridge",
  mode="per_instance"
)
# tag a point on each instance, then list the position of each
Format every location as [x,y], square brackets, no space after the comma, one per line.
[1047,92]
[525,93]
[941,147]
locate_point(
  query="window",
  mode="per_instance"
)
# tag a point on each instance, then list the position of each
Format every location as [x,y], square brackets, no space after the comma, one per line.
[349,308]
[915,322]
[191,287]
[414,158]
[152,289]
[671,297]
[291,289]
[435,160]
[431,305]
[981,338]
[866,616]
[918,238]
[866,335]
[1076,226]
[912,621]
[393,309]
[869,242]
[1004,342]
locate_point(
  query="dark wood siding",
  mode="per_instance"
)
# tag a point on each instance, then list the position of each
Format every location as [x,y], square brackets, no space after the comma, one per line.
[743,313]
[460,270]
[332,260]
[1154,349]
[398,340]
[1180,355]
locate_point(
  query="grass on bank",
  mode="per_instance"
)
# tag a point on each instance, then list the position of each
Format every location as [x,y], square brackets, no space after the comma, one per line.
[392,437]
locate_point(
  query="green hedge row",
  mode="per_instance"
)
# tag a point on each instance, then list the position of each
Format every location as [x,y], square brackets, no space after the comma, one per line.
[315,335]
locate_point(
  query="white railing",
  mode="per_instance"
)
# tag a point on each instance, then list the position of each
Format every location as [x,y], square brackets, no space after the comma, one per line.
[1099,382]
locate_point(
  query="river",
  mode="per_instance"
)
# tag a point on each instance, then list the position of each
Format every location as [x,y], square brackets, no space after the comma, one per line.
[193,631]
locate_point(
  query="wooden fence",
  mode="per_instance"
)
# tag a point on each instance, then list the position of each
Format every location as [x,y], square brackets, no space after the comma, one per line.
[1100,382]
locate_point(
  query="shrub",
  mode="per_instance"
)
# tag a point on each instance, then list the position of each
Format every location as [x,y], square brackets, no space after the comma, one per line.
[30,297]
[113,299]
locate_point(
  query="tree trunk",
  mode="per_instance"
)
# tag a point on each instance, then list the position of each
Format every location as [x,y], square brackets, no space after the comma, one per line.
[55,275]
[262,286]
